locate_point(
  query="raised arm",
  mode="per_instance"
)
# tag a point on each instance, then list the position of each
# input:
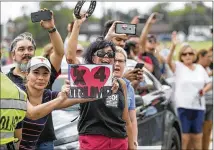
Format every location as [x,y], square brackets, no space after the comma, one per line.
[143,37]
[56,40]
[73,41]
[172,49]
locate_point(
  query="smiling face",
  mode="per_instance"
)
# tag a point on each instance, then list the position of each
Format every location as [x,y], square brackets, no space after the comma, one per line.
[119,65]
[188,56]
[38,79]
[104,56]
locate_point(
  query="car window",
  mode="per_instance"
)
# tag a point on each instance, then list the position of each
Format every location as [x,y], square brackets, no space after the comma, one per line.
[146,86]
[58,83]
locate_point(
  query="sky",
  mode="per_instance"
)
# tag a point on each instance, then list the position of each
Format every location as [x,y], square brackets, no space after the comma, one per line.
[14,9]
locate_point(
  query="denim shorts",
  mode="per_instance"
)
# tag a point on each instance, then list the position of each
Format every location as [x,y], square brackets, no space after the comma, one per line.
[191,120]
[45,146]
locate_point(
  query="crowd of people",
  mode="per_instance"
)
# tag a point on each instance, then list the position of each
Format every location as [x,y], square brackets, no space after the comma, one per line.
[27,95]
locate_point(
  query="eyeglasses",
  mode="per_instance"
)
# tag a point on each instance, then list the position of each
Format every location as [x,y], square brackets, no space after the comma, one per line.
[185,54]
[101,53]
[119,61]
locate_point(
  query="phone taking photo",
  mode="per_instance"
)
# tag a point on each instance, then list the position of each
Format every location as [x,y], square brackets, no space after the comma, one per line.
[41,15]
[124,28]
[139,66]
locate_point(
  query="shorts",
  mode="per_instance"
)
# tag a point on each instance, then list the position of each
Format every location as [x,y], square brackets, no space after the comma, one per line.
[209,113]
[191,120]
[100,142]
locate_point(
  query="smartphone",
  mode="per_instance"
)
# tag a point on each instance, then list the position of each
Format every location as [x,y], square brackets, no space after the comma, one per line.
[142,20]
[124,28]
[139,65]
[41,15]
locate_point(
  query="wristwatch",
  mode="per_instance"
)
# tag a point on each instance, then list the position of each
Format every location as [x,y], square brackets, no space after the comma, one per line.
[52,30]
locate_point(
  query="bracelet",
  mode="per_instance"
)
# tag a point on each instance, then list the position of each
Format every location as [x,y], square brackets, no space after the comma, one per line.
[52,30]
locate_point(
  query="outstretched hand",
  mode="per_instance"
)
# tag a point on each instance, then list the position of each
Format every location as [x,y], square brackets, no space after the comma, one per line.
[174,38]
[83,18]
[111,33]
[49,24]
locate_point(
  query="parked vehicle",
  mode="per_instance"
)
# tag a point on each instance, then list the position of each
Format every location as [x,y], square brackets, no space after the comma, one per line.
[158,125]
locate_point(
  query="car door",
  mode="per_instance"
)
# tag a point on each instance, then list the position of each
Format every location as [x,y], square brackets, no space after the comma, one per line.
[150,117]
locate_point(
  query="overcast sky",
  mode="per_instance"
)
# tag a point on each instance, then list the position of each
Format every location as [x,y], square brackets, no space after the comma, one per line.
[14,9]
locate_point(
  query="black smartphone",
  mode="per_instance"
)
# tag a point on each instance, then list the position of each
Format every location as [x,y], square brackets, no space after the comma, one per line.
[139,65]
[142,20]
[41,15]
[124,28]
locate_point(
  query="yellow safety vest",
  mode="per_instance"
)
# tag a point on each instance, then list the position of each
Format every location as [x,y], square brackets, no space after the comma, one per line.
[13,108]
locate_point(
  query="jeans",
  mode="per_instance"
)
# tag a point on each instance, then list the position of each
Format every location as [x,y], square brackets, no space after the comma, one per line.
[45,146]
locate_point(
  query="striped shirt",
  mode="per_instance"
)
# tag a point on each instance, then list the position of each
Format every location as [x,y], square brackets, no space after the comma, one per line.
[32,128]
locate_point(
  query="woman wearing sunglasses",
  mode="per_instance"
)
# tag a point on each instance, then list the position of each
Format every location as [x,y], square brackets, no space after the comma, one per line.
[102,126]
[191,83]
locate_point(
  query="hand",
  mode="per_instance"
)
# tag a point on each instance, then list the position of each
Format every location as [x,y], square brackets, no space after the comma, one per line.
[111,32]
[174,38]
[135,20]
[130,75]
[49,24]
[152,19]
[66,87]
[80,21]
[62,96]
[115,86]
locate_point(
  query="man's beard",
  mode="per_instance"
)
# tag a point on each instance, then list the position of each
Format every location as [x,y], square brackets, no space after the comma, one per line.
[23,66]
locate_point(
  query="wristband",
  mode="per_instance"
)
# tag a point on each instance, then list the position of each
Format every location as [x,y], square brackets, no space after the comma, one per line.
[52,30]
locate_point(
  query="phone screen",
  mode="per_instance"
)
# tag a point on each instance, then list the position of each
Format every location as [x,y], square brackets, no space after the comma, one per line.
[41,15]
[123,28]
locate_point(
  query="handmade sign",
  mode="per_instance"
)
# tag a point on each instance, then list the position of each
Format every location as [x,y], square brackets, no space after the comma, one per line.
[90,81]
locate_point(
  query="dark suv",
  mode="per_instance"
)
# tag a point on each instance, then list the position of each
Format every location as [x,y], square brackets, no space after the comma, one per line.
[158,125]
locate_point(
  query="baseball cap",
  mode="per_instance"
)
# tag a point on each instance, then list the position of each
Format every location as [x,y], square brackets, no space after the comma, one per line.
[38,61]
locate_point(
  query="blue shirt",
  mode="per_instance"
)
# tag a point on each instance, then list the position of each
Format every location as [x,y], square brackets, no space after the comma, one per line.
[130,95]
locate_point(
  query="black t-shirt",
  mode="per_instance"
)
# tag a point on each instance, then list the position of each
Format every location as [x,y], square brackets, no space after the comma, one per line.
[157,71]
[102,117]
[48,132]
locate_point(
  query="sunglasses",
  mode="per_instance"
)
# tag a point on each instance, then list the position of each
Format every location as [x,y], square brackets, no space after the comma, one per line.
[102,53]
[185,54]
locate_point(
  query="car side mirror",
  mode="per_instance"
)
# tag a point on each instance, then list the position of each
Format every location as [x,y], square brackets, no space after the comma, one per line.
[138,100]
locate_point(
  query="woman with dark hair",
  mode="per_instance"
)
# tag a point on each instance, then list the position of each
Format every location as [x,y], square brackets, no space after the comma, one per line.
[102,126]
[191,83]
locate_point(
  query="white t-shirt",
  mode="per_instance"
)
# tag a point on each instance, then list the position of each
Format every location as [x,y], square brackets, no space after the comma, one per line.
[188,83]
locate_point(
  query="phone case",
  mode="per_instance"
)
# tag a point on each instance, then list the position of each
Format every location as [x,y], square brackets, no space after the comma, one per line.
[41,15]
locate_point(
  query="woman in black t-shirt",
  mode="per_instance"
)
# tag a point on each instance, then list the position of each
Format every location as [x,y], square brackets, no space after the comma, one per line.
[103,125]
